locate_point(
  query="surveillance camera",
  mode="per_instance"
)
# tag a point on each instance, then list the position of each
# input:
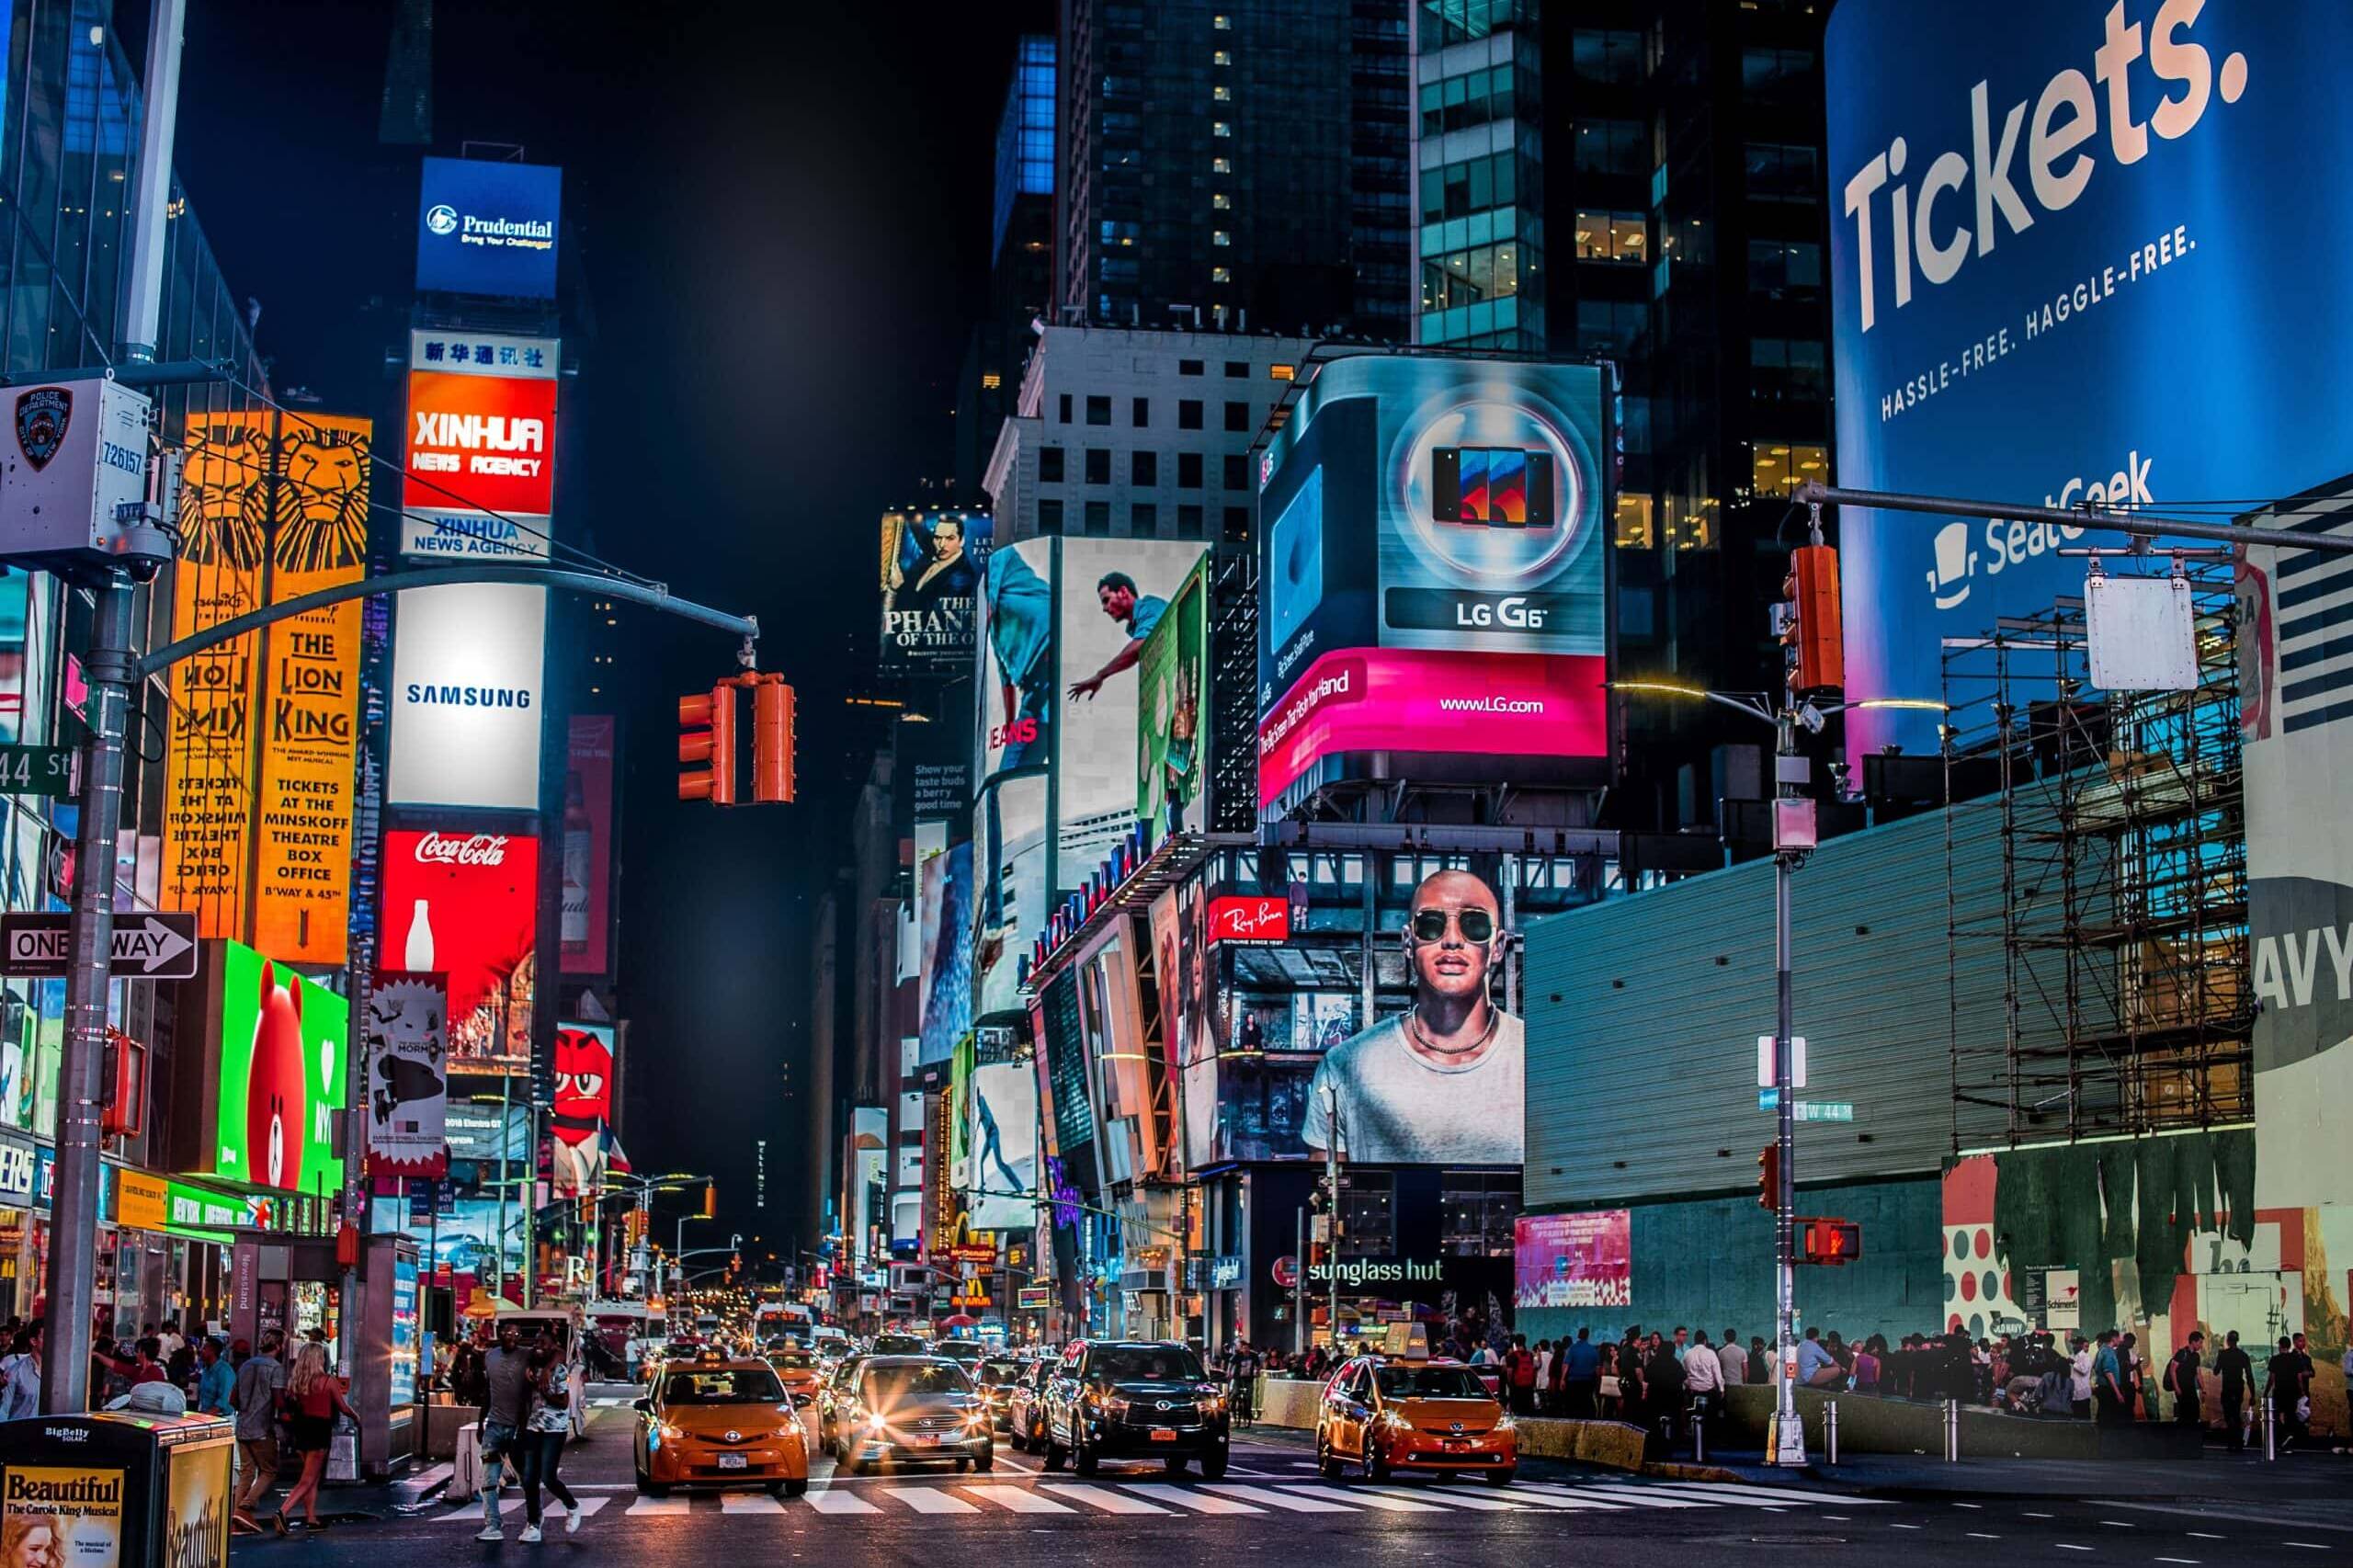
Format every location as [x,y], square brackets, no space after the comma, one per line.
[1810,717]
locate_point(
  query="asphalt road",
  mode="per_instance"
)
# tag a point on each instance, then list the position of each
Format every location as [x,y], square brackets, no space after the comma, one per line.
[1272,1506]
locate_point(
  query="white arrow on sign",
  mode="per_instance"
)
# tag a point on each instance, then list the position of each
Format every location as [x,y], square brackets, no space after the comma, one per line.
[151,945]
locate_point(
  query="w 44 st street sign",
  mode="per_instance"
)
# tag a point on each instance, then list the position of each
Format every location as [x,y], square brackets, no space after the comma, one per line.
[146,947]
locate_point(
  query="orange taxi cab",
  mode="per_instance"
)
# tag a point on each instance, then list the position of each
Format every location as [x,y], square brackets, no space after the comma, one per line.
[1381,1415]
[717,1420]
[797,1370]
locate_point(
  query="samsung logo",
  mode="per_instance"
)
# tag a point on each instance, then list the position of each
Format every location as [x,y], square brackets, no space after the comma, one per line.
[425,696]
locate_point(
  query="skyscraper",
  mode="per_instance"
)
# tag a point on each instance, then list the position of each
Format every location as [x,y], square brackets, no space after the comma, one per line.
[1233,158]
[1022,261]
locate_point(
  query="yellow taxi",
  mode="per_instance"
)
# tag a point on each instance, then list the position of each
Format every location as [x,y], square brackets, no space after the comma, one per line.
[720,1420]
[797,1370]
[1384,1414]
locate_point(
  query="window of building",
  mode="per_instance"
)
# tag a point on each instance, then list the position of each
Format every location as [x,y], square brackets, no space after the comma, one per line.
[1475,1214]
[1612,147]
[1777,75]
[1786,370]
[1143,520]
[1062,409]
[1612,236]
[1689,515]
[1466,277]
[1189,470]
[1220,201]
[1282,372]
[1785,270]
[1221,93]
[1049,465]
[1612,327]
[1221,275]
[1141,414]
[1458,103]
[1777,470]
[1368,1213]
[1781,171]
[1050,517]
[1237,525]
[1190,367]
[1221,22]
[1474,185]
[1237,369]
[1143,468]
[1188,522]
[1606,58]
[1098,465]
[1099,519]
[1220,237]
[1237,417]
[1220,128]
[1633,528]
[1098,411]
[1221,57]
[1220,166]
[1237,471]
[1188,410]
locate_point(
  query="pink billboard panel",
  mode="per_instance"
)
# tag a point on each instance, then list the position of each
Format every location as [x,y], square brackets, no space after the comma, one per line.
[1573,1260]
[1414,699]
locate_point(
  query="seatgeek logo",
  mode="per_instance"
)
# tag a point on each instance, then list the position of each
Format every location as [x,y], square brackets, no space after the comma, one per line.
[2009,542]
[2047,152]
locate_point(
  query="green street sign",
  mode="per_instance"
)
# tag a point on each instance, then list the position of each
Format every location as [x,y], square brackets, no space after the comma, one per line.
[38,770]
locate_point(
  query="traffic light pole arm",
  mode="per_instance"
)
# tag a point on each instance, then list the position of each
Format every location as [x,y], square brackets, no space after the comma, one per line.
[651,595]
[1813,494]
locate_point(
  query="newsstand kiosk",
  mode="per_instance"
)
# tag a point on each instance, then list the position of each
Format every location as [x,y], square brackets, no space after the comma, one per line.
[268,1271]
[115,1489]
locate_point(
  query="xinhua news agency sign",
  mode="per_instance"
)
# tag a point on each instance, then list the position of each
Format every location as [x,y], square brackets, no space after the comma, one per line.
[489,227]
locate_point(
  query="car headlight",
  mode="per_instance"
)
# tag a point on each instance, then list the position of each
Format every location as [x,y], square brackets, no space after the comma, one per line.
[1211,1403]
[1393,1421]
[1115,1407]
[670,1434]
[1507,1424]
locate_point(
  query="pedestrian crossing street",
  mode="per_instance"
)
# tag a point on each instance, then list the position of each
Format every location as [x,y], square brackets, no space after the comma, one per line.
[1117,1499]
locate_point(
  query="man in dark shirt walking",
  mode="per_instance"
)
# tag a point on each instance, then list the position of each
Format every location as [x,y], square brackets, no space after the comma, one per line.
[2181,1377]
[2237,1371]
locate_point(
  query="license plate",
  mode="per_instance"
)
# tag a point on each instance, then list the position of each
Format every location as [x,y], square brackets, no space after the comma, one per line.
[1162,1435]
[927,1439]
[731,1462]
[1455,1443]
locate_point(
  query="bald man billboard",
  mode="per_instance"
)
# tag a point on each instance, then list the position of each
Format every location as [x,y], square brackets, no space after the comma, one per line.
[1444,1082]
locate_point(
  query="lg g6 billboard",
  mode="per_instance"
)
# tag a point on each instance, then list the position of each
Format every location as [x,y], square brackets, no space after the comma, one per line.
[1435,568]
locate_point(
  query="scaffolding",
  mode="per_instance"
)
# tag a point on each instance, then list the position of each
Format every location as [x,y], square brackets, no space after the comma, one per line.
[2121,908]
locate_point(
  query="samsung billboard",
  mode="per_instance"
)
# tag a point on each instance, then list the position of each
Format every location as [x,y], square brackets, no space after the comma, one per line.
[1435,570]
[2079,254]
[489,227]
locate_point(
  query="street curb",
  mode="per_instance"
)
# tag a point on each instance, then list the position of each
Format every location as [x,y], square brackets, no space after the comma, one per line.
[1668,1470]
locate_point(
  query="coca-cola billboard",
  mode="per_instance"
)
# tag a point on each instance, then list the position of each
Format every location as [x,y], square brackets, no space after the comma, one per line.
[466,905]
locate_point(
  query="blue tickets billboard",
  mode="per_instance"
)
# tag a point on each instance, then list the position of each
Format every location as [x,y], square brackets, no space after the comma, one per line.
[2079,253]
[489,227]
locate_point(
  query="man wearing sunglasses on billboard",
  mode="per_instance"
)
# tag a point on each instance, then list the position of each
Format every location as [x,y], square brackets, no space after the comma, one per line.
[1445,1082]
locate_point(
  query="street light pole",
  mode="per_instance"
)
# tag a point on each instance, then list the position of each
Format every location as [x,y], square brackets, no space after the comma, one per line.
[1789,1433]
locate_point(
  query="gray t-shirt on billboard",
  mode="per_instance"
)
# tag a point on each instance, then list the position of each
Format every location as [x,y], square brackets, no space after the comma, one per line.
[1398,1106]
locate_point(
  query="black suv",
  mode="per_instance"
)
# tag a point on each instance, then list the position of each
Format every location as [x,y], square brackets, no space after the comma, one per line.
[1129,1399]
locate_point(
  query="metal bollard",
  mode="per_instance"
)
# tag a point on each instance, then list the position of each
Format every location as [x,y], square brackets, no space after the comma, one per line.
[1699,1434]
[2270,1431]
[1830,1429]
[1952,1431]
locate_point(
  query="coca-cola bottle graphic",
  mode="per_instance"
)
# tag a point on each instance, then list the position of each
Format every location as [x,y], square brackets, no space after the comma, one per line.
[579,866]
[418,956]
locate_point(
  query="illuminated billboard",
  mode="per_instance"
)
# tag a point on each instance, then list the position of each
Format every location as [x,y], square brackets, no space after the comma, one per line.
[261,749]
[586,922]
[1435,569]
[2070,249]
[1003,1147]
[1172,728]
[931,582]
[442,514]
[466,905]
[257,1101]
[481,443]
[944,930]
[1573,1260]
[1015,658]
[467,662]
[1009,886]
[487,226]
[581,1108]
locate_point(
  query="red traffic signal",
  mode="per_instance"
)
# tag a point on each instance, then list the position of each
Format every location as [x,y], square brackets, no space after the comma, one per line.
[707,735]
[1829,1241]
[1769,1178]
[1813,631]
[772,725]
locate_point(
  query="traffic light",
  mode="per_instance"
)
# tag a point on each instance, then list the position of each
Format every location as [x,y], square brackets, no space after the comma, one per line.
[1319,1201]
[707,735]
[1830,1241]
[711,1200]
[772,712]
[1769,1178]
[1810,629]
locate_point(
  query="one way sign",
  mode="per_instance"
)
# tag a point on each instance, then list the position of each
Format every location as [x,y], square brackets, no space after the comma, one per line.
[146,947]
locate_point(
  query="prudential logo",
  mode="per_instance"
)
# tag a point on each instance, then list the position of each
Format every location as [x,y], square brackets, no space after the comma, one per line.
[442,219]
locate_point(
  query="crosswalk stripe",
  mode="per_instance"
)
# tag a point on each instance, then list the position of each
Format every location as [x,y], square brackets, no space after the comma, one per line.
[841,1503]
[1389,1504]
[1450,1499]
[1018,1499]
[1644,1497]
[1770,1497]
[1729,1497]
[1186,1497]
[748,1502]
[929,1500]
[1295,1500]
[1529,1498]
[661,1505]
[589,1507]
[1107,1500]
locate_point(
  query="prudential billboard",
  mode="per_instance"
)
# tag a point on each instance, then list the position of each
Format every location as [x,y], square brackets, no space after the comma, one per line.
[489,227]
[2080,252]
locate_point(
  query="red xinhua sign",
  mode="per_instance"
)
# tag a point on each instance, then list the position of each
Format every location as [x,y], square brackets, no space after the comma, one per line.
[1254,918]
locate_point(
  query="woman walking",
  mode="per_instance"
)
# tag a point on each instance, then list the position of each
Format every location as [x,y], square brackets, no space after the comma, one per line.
[313,1398]
[542,1439]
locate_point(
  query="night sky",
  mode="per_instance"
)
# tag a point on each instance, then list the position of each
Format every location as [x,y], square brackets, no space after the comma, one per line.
[780,212]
